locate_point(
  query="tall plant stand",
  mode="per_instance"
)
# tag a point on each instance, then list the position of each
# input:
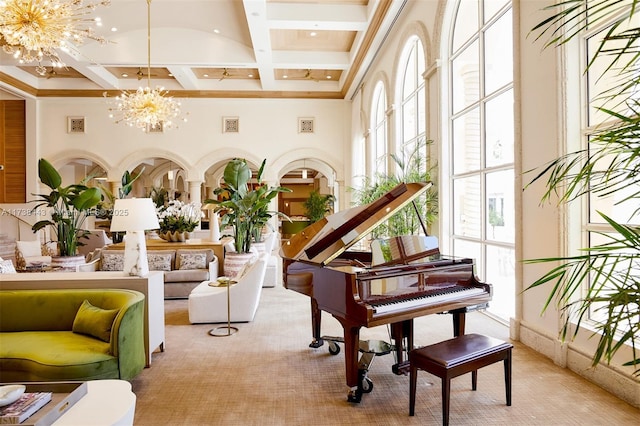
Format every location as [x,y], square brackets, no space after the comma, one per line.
[225,330]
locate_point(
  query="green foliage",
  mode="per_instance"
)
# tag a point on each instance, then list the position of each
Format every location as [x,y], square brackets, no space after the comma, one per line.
[105,207]
[317,205]
[247,210]
[609,165]
[71,206]
[159,196]
[412,168]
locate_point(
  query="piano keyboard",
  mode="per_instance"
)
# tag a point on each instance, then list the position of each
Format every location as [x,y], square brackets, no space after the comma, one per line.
[451,293]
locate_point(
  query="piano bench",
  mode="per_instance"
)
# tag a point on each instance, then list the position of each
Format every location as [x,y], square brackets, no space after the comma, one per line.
[455,357]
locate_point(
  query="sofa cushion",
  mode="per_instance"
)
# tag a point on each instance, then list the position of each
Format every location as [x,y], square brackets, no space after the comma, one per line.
[54,356]
[193,258]
[186,275]
[112,260]
[30,248]
[94,321]
[160,260]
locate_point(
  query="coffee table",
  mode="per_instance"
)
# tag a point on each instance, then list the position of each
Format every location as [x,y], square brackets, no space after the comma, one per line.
[107,402]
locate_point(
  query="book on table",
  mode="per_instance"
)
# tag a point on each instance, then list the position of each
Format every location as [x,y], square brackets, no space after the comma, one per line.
[24,407]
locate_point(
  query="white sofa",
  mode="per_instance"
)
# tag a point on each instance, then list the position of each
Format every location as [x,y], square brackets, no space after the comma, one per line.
[208,304]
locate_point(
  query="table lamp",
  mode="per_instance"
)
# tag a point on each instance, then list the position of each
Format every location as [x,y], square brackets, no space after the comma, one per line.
[134,215]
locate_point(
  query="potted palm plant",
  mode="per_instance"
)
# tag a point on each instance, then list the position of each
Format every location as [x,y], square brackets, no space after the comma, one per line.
[244,209]
[317,206]
[608,165]
[411,168]
[71,205]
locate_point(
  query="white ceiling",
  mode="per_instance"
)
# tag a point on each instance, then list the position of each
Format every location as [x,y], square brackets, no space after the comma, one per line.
[266,38]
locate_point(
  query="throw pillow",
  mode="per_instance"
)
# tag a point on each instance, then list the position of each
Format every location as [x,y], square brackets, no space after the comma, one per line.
[29,248]
[112,261]
[94,321]
[6,267]
[193,260]
[159,261]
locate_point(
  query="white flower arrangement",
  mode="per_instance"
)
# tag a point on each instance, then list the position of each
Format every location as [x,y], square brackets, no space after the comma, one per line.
[179,216]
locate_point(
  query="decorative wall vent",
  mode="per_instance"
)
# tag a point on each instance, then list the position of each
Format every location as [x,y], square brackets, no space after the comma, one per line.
[230,125]
[158,128]
[75,124]
[305,125]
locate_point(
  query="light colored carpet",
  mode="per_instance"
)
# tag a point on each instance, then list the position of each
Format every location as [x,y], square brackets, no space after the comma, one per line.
[267,375]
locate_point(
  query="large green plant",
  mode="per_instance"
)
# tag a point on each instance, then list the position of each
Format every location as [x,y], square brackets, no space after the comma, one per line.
[71,205]
[245,209]
[411,167]
[608,165]
[317,205]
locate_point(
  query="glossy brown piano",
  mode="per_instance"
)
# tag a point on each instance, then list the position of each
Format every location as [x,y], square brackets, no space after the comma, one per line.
[398,280]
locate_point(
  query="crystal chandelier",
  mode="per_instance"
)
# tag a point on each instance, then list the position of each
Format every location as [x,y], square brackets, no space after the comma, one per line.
[146,108]
[34,30]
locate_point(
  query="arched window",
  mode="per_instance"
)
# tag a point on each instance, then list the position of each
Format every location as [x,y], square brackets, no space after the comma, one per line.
[412,91]
[478,184]
[379,146]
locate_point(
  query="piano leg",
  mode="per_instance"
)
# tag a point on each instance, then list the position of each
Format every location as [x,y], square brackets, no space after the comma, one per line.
[459,319]
[316,320]
[354,376]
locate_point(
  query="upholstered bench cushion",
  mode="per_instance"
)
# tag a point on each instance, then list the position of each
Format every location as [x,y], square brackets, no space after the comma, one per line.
[461,349]
[54,355]
[186,275]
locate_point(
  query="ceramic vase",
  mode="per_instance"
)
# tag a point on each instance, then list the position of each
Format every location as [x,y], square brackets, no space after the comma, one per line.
[234,262]
[174,236]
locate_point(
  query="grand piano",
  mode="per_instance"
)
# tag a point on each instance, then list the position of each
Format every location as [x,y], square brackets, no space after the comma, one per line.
[403,278]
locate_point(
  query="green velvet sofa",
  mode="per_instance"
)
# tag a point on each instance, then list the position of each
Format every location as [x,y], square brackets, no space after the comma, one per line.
[71,334]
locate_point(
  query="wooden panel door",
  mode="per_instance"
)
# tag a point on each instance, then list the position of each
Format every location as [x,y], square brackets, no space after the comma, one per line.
[13,161]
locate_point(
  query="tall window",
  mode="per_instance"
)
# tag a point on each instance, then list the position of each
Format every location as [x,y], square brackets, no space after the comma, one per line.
[379,130]
[601,81]
[480,145]
[412,113]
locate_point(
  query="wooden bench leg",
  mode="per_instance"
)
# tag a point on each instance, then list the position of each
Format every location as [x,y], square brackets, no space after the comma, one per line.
[413,379]
[446,393]
[507,377]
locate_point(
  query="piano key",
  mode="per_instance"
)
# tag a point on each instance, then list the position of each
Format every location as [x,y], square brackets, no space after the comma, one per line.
[429,299]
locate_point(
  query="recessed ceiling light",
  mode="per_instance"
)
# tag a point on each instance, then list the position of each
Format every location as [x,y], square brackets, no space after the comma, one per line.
[285,76]
[313,33]
[217,31]
[114,29]
[170,74]
[125,75]
[205,75]
[250,75]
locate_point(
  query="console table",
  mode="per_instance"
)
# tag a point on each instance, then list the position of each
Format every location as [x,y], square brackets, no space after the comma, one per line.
[152,286]
[194,243]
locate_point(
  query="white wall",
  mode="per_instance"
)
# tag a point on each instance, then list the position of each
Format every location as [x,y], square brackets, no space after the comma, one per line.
[268,129]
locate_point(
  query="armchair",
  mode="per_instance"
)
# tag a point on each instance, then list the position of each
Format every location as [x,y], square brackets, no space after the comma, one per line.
[32,254]
[208,304]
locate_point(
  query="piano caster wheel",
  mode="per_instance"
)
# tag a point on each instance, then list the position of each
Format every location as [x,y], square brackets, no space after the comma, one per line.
[334,349]
[316,343]
[367,385]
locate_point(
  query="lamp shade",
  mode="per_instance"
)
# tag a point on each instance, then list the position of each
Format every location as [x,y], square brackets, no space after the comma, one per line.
[134,214]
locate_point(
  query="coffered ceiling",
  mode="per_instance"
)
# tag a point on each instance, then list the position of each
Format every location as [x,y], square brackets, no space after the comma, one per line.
[219,48]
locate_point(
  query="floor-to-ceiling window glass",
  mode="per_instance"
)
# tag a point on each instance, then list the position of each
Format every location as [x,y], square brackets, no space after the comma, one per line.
[379,146]
[412,92]
[480,144]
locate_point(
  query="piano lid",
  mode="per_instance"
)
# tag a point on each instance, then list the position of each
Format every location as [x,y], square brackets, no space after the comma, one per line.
[323,241]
